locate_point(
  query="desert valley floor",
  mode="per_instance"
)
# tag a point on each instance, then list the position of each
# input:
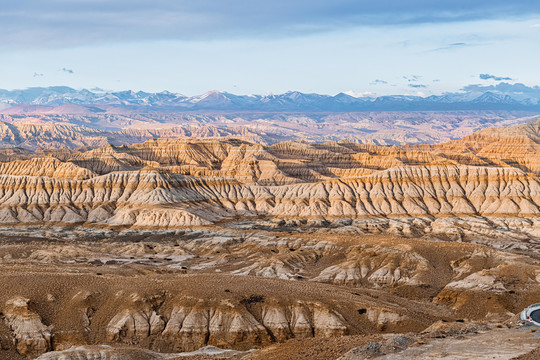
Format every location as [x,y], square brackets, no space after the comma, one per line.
[228,249]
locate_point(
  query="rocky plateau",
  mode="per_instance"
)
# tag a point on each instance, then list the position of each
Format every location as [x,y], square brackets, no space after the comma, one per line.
[224,248]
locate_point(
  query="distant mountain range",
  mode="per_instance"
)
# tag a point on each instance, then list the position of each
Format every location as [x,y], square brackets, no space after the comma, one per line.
[289,101]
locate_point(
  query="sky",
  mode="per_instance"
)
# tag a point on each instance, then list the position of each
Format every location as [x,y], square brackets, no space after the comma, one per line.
[416,47]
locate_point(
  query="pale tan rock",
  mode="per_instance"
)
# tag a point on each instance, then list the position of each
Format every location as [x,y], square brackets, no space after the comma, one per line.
[222,325]
[175,183]
[130,324]
[384,316]
[327,323]
[381,266]
[103,352]
[31,336]
[478,281]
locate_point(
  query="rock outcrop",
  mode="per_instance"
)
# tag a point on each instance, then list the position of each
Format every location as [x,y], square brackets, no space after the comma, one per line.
[192,323]
[167,182]
[186,313]
[103,352]
[200,182]
[516,146]
[31,336]
[382,266]
[173,245]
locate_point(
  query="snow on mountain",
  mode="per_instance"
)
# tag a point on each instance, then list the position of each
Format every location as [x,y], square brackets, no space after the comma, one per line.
[492,98]
[289,101]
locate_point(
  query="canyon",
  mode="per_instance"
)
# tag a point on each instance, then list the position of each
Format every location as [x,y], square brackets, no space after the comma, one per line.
[227,247]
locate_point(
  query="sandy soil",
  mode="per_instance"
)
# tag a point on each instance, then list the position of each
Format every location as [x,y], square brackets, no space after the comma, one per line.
[110,270]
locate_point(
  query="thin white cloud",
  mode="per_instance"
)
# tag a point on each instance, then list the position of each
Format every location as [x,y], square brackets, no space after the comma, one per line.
[63,23]
[453,46]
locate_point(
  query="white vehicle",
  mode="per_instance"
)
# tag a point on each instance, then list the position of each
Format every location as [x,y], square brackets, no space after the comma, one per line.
[531,314]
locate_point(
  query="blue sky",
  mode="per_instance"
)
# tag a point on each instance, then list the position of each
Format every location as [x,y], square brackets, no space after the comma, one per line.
[376,47]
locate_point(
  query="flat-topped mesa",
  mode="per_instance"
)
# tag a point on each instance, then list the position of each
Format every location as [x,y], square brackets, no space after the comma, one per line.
[50,136]
[200,152]
[515,146]
[13,154]
[45,167]
[109,159]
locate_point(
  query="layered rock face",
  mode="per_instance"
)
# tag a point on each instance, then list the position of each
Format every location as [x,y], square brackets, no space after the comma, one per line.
[199,322]
[170,245]
[34,134]
[516,146]
[31,336]
[195,182]
[186,313]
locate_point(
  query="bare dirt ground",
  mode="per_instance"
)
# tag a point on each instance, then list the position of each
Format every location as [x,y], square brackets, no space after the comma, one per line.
[382,287]
[493,344]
